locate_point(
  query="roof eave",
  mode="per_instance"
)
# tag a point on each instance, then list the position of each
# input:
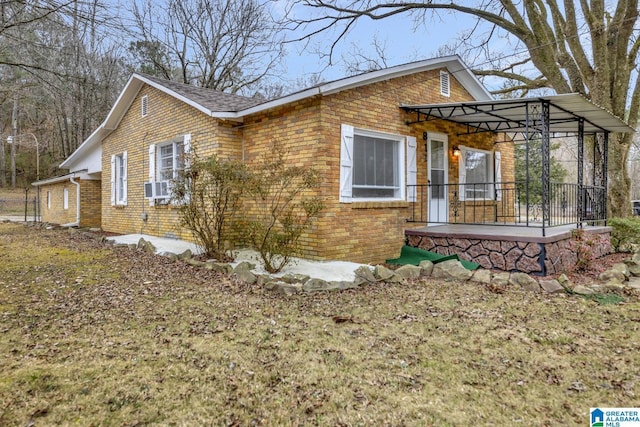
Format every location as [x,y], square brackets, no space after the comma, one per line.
[174,94]
[453,63]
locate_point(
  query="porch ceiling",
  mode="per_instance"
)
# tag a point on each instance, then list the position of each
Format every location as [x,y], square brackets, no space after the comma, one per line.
[510,115]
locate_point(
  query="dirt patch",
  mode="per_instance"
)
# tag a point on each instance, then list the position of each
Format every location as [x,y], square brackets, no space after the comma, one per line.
[590,274]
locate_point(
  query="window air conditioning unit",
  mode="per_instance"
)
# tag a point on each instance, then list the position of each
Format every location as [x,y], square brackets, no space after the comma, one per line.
[156,190]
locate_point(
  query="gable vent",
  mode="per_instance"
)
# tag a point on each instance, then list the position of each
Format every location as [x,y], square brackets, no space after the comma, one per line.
[145,105]
[444,83]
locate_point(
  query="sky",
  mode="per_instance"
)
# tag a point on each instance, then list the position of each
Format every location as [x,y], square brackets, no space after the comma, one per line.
[402,43]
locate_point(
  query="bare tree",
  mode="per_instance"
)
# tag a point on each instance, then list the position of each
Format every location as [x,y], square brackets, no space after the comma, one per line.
[58,60]
[583,47]
[358,61]
[226,45]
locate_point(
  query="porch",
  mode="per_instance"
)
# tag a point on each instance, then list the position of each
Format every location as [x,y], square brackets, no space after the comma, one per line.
[533,225]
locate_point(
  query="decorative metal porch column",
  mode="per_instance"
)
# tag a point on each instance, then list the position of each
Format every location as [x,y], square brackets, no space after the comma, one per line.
[605,176]
[580,172]
[546,161]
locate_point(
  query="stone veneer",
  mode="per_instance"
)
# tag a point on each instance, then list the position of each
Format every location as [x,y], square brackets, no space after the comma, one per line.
[536,255]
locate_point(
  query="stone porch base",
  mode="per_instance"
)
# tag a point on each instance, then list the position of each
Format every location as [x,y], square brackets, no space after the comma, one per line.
[513,249]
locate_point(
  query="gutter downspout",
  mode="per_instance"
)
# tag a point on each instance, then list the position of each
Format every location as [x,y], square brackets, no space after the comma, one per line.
[77,222]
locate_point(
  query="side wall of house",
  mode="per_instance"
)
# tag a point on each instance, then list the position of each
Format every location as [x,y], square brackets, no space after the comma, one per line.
[167,118]
[54,212]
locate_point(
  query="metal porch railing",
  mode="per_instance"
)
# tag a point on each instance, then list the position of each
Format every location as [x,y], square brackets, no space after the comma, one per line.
[507,203]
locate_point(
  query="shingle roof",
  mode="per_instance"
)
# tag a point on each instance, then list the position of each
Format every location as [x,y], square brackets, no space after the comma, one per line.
[211,99]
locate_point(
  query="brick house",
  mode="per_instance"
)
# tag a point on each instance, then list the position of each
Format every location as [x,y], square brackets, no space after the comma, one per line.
[371,157]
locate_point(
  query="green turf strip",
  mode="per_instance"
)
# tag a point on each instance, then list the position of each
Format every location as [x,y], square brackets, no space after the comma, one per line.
[413,256]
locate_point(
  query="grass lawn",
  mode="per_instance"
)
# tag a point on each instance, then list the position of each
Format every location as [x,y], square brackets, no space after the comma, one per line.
[92,335]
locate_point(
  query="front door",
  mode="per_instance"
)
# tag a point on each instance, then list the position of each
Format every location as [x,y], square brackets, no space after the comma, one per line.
[437,164]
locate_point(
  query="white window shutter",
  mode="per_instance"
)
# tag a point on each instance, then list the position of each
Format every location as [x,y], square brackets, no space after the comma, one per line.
[187,150]
[462,174]
[412,168]
[498,174]
[346,163]
[113,180]
[152,168]
[187,143]
[124,178]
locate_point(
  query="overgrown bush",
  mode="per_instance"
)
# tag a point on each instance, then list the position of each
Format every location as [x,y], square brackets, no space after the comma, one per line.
[209,195]
[625,231]
[583,246]
[283,207]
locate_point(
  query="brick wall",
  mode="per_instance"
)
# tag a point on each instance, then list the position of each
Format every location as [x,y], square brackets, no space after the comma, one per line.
[56,214]
[167,118]
[90,203]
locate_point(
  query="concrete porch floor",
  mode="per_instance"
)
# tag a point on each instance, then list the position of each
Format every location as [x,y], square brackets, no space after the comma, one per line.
[513,233]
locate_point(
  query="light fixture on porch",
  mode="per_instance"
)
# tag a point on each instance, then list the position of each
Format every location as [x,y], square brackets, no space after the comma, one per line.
[455,151]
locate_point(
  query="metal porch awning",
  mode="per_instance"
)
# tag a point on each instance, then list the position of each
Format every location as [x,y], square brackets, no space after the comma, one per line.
[565,113]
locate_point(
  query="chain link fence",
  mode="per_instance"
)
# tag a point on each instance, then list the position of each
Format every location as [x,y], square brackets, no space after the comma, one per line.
[16,208]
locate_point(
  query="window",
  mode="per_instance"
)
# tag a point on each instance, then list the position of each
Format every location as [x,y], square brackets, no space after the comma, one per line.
[144,103]
[48,199]
[65,198]
[372,165]
[119,179]
[476,173]
[166,160]
[444,83]
[170,160]
[375,167]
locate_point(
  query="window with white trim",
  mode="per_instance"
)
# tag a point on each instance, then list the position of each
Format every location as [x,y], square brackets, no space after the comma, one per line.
[372,165]
[65,198]
[170,160]
[48,199]
[119,179]
[476,174]
[445,88]
[166,161]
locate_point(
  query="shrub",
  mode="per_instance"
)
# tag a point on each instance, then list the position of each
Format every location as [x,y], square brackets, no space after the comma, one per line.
[209,195]
[583,246]
[625,231]
[283,208]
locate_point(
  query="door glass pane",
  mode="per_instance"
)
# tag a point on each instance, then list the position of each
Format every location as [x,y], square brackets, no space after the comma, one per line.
[437,187]
[437,154]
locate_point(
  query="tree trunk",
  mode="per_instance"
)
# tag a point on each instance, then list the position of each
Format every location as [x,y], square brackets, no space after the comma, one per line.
[619,200]
[3,165]
[14,142]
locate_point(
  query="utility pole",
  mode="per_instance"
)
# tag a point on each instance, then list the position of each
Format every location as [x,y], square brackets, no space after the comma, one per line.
[14,132]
